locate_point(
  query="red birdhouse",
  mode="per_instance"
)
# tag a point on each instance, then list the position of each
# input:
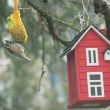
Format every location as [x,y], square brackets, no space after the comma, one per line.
[88,60]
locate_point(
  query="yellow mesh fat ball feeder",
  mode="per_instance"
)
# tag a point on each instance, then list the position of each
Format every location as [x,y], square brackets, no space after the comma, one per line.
[16,26]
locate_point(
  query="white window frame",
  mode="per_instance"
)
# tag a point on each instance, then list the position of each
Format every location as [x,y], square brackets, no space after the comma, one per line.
[95,86]
[92,63]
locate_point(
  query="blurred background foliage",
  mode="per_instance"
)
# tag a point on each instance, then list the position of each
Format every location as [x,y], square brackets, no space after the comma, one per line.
[19,79]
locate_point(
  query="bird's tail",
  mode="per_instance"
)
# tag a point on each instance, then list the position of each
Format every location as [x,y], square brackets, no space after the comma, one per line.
[25,57]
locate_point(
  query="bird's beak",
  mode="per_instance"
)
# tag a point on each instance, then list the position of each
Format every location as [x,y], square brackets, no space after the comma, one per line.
[5,44]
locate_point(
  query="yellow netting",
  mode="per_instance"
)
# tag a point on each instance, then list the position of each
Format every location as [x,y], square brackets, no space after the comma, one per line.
[16,26]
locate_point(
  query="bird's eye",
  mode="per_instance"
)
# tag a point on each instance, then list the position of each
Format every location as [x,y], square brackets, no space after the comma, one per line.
[6,44]
[10,42]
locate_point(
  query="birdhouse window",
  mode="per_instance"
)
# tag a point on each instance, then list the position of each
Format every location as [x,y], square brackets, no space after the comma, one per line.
[95,84]
[92,56]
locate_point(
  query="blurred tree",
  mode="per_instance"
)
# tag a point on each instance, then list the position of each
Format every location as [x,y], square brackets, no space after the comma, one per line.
[19,79]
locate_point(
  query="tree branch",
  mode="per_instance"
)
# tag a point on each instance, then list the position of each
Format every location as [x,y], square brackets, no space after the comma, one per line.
[101,6]
[49,20]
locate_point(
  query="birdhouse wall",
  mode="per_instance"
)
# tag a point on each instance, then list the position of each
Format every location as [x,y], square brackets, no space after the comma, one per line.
[72,78]
[91,40]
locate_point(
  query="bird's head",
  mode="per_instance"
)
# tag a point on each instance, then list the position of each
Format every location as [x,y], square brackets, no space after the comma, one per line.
[7,43]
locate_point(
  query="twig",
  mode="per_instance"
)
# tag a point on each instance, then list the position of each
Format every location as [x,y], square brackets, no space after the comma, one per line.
[73,1]
[86,14]
[66,24]
[23,8]
[40,80]
[43,56]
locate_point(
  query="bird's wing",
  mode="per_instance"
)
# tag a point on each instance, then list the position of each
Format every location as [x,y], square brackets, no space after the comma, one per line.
[17,48]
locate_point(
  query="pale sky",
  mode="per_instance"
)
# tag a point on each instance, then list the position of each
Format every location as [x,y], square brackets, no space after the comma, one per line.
[10,2]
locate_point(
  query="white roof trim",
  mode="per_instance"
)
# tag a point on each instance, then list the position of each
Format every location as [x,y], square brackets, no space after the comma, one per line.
[99,33]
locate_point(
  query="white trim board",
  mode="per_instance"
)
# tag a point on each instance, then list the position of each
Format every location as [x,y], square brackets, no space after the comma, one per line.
[99,33]
[92,63]
[95,86]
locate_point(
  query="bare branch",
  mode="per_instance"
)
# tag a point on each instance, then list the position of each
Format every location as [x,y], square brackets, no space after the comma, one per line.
[49,20]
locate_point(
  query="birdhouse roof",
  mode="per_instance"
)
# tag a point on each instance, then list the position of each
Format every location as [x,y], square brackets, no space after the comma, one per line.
[71,46]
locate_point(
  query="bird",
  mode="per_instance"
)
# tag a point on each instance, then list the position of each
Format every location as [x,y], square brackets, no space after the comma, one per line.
[15,49]
[16,26]
[18,33]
